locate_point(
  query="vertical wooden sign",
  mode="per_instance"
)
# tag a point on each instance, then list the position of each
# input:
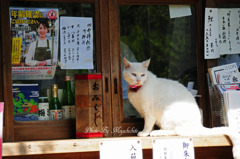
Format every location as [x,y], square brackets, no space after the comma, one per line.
[88,100]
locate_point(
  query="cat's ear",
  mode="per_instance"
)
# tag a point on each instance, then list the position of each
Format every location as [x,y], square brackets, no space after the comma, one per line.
[126,63]
[146,63]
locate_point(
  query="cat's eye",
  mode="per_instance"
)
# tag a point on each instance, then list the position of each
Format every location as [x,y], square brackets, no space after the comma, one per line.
[142,75]
[134,74]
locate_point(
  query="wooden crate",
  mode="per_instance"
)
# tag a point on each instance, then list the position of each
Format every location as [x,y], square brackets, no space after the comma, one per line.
[88,101]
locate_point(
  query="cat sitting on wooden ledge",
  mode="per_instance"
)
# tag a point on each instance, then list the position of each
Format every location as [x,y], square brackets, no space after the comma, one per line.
[169,105]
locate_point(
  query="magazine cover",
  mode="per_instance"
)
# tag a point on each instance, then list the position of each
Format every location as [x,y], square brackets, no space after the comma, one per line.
[25,102]
[34,37]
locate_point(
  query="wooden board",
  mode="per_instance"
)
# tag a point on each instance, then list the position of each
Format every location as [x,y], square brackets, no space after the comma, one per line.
[91,145]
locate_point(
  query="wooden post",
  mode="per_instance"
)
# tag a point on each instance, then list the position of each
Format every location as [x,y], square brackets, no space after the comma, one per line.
[88,101]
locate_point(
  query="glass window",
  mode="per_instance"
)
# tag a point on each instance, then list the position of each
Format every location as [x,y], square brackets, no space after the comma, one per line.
[25,25]
[149,32]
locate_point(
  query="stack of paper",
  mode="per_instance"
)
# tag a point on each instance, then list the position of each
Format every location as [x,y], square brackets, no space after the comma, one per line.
[226,82]
[232,106]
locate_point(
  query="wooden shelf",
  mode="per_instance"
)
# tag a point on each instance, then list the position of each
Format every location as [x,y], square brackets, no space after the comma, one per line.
[91,145]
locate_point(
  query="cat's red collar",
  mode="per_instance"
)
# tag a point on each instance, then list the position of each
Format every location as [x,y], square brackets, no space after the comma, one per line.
[134,88]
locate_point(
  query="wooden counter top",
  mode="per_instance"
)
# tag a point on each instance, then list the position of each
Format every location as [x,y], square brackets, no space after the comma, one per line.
[89,145]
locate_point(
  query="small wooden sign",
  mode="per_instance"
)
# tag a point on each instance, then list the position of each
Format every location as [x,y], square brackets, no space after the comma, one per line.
[88,101]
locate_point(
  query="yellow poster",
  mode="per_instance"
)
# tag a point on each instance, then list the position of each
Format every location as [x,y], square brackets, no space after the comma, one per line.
[34,38]
[16,50]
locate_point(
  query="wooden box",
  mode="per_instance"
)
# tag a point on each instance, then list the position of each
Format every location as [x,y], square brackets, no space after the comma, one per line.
[88,101]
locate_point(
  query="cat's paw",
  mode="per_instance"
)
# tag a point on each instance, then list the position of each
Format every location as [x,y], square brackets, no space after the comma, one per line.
[142,134]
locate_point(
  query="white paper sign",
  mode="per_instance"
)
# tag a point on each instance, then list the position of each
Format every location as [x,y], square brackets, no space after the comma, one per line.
[211,34]
[229,31]
[222,32]
[124,149]
[76,35]
[218,72]
[225,78]
[229,77]
[179,148]
[177,11]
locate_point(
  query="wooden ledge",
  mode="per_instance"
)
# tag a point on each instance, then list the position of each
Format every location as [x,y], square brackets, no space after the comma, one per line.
[88,145]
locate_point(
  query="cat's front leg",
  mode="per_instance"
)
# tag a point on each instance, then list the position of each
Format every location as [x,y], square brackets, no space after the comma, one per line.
[149,121]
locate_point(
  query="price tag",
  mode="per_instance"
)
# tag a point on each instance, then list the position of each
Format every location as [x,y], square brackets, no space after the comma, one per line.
[180,148]
[131,149]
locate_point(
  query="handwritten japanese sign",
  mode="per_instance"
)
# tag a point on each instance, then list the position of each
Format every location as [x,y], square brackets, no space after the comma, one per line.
[95,103]
[222,34]
[180,148]
[210,36]
[131,149]
[76,42]
[229,25]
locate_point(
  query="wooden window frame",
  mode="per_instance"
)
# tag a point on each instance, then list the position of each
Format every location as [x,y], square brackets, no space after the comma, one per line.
[108,57]
[41,130]
[114,29]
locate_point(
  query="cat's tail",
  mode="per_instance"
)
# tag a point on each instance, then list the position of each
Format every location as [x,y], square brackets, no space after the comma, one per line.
[233,134]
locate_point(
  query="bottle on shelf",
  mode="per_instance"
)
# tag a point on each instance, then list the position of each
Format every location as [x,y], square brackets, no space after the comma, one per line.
[55,108]
[68,101]
[43,108]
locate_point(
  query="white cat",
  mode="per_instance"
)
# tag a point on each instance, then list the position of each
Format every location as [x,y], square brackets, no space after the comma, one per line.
[169,105]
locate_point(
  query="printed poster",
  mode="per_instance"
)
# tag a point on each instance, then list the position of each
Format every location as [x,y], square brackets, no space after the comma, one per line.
[76,35]
[34,37]
[25,102]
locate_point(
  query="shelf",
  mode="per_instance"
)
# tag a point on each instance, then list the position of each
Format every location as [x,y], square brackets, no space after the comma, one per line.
[91,145]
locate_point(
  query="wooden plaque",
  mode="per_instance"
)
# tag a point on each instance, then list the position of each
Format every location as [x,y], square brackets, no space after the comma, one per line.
[88,100]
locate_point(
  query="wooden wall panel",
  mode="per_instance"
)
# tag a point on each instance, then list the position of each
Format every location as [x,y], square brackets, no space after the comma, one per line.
[200,153]
[6,72]
[31,131]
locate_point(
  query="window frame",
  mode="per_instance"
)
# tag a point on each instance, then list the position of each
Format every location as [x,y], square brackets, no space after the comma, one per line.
[109,64]
[40,130]
[114,6]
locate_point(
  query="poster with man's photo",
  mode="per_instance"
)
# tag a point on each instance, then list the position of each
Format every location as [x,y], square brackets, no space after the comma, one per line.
[34,38]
